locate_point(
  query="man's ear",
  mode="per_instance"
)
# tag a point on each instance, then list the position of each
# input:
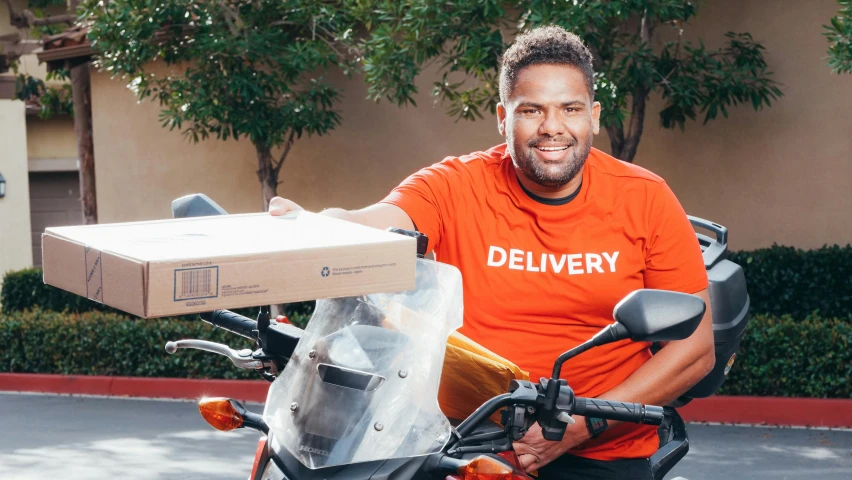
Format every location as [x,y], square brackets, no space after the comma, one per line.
[501,119]
[596,117]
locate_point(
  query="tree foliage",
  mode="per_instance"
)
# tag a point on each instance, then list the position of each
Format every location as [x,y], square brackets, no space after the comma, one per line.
[234,68]
[52,101]
[839,33]
[466,37]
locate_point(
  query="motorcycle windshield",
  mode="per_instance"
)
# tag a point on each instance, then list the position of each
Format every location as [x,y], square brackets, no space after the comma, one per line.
[362,384]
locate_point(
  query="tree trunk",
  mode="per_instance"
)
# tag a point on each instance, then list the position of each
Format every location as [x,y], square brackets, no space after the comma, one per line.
[625,147]
[616,141]
[267,174]
[81,95]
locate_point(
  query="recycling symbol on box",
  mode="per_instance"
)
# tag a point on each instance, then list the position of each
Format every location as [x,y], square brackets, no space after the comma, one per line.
[325,272]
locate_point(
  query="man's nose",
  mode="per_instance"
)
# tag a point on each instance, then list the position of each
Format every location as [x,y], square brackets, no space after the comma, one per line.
[551,125]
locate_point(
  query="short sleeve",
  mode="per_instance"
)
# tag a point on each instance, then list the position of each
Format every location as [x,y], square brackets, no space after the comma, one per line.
[426,197]
[673,258]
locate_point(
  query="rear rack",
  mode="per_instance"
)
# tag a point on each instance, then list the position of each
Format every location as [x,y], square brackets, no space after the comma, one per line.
[713,250]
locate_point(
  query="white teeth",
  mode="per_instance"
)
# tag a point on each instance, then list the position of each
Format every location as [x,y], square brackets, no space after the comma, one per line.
[551,149]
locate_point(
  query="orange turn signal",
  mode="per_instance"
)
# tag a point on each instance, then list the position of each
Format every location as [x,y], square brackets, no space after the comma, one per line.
[485,468]
[220,414]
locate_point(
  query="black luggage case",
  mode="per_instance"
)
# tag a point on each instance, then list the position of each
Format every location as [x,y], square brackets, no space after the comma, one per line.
[729,302]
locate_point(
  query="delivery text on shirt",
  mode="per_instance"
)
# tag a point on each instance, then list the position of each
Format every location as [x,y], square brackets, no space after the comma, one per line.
[572,263]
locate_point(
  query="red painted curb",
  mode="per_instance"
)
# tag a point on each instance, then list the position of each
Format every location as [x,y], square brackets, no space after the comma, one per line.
[180,388]
[811,412]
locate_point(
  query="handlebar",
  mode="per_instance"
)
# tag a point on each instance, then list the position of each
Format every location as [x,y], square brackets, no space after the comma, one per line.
[623,411]
[232,322]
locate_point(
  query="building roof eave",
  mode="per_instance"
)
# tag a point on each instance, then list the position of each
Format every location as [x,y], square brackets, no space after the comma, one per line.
[65,57]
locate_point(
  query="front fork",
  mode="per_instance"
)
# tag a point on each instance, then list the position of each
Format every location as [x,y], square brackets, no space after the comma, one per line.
[261,458]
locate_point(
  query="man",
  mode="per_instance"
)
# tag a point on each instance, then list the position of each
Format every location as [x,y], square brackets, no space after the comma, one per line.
[549,235]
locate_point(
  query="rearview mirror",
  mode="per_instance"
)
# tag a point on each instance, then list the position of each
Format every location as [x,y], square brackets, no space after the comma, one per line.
[659,315]
[195,205]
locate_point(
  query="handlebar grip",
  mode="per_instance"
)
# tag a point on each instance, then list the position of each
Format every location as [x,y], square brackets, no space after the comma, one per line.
[623,411]
[654,415]
[230,321]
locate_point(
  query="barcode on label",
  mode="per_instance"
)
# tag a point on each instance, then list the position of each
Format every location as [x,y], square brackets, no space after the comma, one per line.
[191,283]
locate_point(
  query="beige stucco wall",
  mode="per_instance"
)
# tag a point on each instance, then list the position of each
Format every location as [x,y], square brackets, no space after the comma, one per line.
[15,246]
[781,175]
[141,167]
[53,138]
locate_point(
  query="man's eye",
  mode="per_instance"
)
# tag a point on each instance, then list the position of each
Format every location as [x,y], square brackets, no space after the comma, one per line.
[529,111]
[571,110]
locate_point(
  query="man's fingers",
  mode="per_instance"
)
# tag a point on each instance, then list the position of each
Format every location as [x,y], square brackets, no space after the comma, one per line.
[527,460]
[280,206]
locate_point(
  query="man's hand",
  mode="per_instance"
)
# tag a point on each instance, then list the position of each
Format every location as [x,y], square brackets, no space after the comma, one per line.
[535,452]
[280,206]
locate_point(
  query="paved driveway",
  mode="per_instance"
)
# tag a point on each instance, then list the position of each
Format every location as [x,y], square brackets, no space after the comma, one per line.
[730,452]
[53,437]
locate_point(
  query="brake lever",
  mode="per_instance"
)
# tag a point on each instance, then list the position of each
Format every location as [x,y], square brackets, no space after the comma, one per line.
[242,358]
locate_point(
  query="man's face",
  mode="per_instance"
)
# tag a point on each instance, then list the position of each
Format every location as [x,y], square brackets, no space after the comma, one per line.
[548,121]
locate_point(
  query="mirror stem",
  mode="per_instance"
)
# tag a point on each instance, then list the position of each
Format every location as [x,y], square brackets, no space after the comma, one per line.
[609,334]
[557,367]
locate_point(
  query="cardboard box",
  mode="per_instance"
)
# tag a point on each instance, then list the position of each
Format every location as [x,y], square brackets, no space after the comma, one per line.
[174,267]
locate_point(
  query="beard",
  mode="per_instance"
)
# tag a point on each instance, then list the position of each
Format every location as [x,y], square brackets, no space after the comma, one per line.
[550,174]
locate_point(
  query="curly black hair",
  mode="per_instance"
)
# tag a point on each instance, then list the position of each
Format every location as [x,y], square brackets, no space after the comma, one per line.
[548,45]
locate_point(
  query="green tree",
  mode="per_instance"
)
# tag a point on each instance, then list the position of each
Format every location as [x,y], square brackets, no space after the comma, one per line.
[638,46]
[839,34]
[249,69]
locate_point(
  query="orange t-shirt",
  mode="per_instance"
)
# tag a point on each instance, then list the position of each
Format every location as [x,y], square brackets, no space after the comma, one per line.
[540,279]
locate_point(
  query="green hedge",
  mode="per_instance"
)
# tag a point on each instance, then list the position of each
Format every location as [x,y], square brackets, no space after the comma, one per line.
[25,290]
[789,281]
[779,356]
[105,343]
[789,357]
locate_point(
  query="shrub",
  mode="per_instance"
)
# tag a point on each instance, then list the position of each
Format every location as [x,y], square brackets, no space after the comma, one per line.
[778,356]
[789,281]
[105,343]
[788,357]
[25,290]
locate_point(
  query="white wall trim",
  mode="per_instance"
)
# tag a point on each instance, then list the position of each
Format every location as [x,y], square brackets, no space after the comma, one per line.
[53,164]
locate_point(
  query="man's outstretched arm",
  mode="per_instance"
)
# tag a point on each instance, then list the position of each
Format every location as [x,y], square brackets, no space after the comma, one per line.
[380,215]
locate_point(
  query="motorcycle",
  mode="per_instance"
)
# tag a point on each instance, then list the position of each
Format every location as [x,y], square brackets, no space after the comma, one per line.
[354,395]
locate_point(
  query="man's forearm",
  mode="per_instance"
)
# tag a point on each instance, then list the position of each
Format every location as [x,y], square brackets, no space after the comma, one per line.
[673,370]
[338,213]
[665,377]
[380,215]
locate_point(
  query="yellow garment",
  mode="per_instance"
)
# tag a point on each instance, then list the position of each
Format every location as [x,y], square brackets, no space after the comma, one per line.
[471,375]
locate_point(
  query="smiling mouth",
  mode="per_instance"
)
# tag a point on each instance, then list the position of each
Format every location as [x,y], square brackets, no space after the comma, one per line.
[552,149]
